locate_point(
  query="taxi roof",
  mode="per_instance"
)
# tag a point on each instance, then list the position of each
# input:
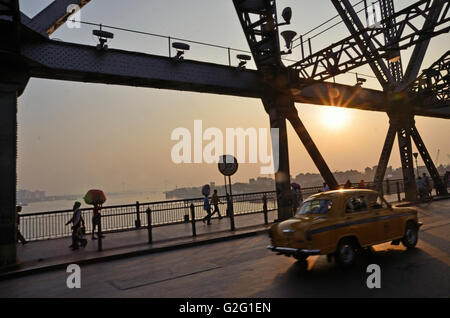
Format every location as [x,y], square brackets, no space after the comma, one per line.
[336,193]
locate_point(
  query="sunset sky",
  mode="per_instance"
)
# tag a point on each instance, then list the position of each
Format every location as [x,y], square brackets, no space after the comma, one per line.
[75,136]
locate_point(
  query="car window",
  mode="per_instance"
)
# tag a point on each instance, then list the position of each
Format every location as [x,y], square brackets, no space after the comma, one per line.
[376,202]
[356,204]
[315,207]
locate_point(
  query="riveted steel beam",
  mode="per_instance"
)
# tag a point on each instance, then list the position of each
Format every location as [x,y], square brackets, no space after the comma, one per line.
[384,158]
[54,15]
[403,123]
[418,54]
[364,41]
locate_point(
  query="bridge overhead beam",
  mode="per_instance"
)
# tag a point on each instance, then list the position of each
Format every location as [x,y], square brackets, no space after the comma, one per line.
[74,62]
[330,94]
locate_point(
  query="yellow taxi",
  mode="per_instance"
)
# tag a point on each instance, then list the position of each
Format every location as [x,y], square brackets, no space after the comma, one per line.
[338,223]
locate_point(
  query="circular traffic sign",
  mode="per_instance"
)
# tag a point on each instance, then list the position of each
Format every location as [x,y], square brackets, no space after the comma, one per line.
[228,165]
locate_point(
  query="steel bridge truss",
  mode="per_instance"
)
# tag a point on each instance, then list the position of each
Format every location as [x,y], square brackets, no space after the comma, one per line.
[366,45]
[27,51]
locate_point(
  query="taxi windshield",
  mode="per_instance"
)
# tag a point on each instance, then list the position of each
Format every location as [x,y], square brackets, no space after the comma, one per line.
[321,206]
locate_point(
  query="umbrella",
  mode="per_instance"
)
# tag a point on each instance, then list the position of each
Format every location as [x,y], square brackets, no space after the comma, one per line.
[206,190]
[94,197]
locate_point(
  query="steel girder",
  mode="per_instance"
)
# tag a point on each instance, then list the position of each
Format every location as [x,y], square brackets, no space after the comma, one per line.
[75,62]
[396,70]
[53,16]
[364,42]
[10,86]
[384,158]
[349,54]
[441,189]
[405,147]
[434,82]
[313,151]
[282,174]
[259,22]
[431,21]
[390,36]
[258,19]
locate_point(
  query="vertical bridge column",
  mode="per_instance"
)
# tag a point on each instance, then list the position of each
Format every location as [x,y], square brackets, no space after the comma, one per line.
[13,79]
[8,153]
[402,123]
[282,175]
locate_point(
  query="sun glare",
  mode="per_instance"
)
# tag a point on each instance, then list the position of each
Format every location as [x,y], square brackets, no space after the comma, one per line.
[334,117]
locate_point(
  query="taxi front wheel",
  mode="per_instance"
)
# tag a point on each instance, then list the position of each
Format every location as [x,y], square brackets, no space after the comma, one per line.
[346,253]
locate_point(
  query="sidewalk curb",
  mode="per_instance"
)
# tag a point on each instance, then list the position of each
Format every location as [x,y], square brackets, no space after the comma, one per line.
[24,272]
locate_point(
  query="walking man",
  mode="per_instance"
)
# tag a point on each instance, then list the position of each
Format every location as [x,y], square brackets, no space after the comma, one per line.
[427,184]
[77,222]
[96,218]
[215,201]
[207,208]
[325,187]
[19,235]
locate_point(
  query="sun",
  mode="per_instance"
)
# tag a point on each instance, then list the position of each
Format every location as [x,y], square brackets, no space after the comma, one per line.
[334,117]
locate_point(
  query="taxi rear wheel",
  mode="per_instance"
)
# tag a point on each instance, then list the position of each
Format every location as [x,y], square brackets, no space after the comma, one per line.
[411,235]
[346,253]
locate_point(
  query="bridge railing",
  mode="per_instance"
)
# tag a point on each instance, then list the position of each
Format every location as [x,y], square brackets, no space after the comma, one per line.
[51,224]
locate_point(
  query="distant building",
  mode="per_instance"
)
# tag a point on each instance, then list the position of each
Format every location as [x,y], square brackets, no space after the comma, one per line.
[26,196]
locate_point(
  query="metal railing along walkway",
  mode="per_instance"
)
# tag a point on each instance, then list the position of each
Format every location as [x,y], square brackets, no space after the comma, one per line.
[51,224]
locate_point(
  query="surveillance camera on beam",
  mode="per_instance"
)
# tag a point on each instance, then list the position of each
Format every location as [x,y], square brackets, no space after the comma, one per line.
[243,59]
[103,37]
[287,16]
[180,47]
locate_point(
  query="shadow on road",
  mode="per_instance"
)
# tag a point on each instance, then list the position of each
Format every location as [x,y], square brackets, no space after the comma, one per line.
[404,273]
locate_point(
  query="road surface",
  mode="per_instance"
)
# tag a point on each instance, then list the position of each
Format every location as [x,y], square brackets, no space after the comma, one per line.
[244,268]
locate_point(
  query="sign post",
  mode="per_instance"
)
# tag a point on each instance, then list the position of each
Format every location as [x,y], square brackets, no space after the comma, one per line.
[228,166]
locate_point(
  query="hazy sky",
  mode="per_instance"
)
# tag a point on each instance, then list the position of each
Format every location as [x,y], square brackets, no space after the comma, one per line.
[75,136]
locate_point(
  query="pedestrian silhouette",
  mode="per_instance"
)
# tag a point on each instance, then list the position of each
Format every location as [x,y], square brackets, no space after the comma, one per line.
[77,227]
[215,201]
[207,208]
[19,235]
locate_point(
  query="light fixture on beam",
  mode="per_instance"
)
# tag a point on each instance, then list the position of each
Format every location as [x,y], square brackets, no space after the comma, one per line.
[360,80]
[392,56]
[180,47]
[287,16]
[243,59]
[103,37]
[288,36]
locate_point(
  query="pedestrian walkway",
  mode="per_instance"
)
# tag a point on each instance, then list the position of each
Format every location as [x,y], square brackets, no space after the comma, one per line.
[48,254]
[55,253]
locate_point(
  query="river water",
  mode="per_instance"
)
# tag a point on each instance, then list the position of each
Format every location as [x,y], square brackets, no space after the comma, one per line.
[116,199]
